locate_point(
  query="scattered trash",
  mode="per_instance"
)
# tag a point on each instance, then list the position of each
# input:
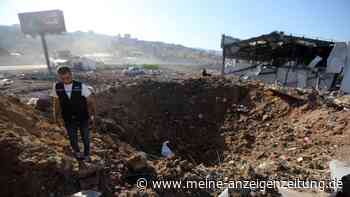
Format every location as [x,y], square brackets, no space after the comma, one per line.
[87,193]
[166,152]
[225,193]
[300,159]
[32,101]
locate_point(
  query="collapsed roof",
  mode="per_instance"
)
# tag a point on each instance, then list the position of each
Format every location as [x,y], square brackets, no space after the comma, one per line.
[278,48]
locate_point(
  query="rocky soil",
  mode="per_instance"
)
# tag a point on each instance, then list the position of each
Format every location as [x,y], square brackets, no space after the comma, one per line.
[220,129]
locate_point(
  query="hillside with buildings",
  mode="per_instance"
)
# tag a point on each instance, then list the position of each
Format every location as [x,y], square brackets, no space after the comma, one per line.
[119,49]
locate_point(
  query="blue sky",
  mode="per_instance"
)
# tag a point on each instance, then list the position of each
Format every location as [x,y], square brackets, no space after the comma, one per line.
[195,23]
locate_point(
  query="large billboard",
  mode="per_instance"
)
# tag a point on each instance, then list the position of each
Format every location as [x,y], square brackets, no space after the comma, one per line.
[51,22]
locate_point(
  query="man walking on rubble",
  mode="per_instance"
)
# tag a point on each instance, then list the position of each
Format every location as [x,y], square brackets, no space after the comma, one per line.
[77,105]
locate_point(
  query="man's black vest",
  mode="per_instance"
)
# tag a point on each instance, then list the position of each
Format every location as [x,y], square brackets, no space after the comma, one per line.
[75,108]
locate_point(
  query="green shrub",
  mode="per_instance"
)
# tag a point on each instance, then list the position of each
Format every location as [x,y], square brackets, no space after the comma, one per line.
[150,66]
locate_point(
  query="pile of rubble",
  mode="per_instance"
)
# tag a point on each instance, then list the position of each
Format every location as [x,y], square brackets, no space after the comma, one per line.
[37,160]
[219,129]
[268,133]
[286,136]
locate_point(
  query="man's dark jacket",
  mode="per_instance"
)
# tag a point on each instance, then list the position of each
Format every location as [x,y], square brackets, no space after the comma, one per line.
[75,108]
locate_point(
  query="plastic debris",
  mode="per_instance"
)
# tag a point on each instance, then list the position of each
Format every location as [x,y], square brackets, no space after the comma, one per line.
[166,152]
[225,193]
[32,101]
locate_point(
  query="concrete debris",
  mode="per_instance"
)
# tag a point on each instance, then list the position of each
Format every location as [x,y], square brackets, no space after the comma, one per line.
[343,101]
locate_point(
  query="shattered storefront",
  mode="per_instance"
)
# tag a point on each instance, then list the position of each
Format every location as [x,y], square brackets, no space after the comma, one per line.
[287,60]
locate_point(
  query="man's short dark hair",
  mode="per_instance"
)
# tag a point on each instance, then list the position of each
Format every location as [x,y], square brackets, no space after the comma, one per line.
[63,70]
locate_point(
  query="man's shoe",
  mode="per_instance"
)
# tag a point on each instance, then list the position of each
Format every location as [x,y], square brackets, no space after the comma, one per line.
[78,156]
[87,158]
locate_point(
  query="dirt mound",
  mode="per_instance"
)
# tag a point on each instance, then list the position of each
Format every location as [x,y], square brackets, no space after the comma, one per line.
[246,131]
[37,161]
[285,136]
[218,128]
[29,149]
[189,114]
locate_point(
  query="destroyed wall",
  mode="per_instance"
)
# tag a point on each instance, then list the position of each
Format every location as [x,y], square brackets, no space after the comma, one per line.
[277,57]
[290,77]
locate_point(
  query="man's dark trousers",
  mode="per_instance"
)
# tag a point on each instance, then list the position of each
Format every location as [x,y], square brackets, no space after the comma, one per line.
[72,129]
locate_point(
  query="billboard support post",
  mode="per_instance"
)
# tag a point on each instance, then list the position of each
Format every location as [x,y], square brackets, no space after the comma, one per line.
[223,55]
[46,52]
[43,23]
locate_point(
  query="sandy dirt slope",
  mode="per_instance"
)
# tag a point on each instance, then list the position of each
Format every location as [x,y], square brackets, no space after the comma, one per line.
[220,129]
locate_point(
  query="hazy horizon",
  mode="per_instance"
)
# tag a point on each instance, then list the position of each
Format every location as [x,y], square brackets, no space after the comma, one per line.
[196,24]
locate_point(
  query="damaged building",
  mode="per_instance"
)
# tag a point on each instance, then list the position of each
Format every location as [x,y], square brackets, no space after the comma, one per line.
[287,60]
